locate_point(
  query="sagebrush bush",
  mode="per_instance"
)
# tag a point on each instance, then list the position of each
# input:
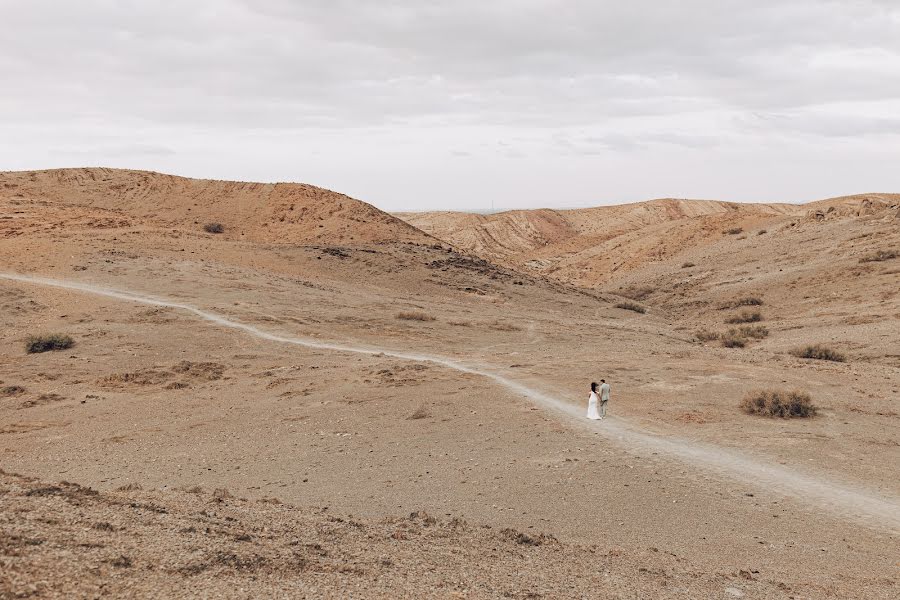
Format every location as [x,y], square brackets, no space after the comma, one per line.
[214,228]
[879,256]
[733,340]
[734,230]
[48,341]
[633,306]
[756,332]
[746,316]
[818,352]
[704,335]
[777,403]
[738,302]
[419,413]
[415,315]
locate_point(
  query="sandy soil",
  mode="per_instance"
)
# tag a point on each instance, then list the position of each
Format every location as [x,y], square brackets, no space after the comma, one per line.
[470,409]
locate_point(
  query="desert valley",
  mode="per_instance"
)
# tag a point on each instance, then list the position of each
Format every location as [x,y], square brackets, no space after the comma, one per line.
[275,390]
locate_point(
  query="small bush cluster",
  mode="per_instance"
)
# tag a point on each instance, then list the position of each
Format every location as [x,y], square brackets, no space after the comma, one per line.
[733,340]
[880,256]
[419,413]
[214,228]
[746,316]
[705,335]
[415,315]
[757,332]
[734,231]
[633,306]
[688,265]
[818,352]
[47,342]
[777,403]
[738,302]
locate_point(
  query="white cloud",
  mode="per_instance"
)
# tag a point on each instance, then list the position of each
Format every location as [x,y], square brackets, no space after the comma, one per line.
[403,102]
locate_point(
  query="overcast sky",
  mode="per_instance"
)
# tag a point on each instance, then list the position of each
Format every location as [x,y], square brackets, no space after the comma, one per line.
[419,104]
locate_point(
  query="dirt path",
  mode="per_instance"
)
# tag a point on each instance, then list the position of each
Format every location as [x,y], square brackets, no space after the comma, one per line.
[841,499]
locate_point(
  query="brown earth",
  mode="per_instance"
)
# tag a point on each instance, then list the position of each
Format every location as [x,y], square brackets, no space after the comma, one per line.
[472,413]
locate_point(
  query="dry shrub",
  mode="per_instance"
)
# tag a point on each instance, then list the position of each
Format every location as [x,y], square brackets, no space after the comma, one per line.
[761,232]
[499,326]
[632,306]
[415,315]
[777,403]
[214,228]
[687,265]
[460,323]
[222,494]
[738,302]
[47,342]
[704,335]
[746,316]
[733,340]
[818,352]
[419,413]
[12,390]
[734,230]
[880,256]
[129,487]
[756,332]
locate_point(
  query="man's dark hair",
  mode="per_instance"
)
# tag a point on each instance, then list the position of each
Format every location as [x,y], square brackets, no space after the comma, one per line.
[602,381]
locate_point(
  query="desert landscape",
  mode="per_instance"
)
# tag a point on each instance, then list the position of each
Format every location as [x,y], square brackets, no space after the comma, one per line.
[229,389]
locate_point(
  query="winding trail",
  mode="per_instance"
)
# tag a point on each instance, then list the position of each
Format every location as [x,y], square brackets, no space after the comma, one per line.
[844,500]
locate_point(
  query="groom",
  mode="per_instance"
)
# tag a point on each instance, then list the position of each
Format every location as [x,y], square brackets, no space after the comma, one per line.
[604,397]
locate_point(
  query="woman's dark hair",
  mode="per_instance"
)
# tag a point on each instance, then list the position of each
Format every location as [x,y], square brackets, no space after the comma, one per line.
[593,386]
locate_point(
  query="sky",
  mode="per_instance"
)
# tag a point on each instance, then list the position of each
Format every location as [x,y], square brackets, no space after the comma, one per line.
[464,104]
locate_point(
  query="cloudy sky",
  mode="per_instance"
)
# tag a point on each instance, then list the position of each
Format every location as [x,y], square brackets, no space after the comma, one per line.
[423,104]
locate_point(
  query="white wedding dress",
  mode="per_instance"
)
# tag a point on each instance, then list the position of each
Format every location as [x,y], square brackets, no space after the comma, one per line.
[593,413]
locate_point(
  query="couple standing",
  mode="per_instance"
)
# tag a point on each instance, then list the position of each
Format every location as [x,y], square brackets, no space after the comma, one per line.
[599,394]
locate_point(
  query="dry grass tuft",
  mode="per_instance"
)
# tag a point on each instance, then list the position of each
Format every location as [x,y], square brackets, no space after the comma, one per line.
[733,340]
[214,228]
[776,403]
[739,302]
[632,306]
[746,316]
[12,390]
[734,231]
[704,335]
[500,326]
[880,256]
[222,494]
[757,332]
[129,487]
[419,413]
[687,265]
[415,315]
[818,352]
[47,342]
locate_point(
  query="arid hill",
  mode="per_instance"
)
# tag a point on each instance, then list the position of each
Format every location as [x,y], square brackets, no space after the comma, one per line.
[291,213]
[593,246]
[346,385]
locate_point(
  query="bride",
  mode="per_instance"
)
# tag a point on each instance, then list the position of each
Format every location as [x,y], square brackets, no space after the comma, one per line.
[593,413]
